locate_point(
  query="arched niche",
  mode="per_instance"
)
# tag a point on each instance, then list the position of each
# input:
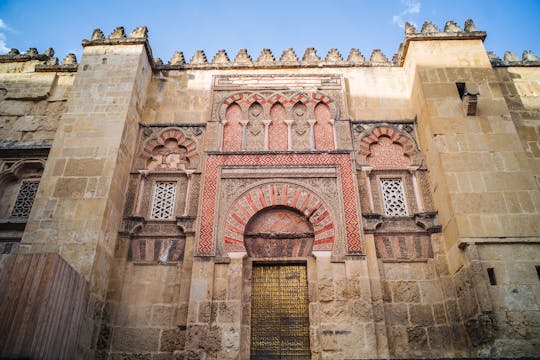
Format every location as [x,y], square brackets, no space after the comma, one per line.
[23,175]
[278,231]
[170,150]
[290,199]
[232,129]
[300,127]
[389,148]
[277,131]
[255,127]
[324,129]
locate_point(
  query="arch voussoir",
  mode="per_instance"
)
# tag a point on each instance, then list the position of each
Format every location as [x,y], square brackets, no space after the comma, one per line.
[272,195]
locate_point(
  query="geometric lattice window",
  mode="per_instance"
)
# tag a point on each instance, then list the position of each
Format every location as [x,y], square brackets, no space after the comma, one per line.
[393,197]
[25,198]
[163,200]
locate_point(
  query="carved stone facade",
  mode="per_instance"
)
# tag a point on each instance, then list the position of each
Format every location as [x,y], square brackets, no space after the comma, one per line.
[293,208]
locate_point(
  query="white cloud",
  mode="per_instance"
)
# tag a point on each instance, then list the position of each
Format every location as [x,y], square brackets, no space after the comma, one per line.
[411,7]
[3,46]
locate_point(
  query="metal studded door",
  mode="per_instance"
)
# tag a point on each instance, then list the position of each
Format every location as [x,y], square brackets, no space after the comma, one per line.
[279,312]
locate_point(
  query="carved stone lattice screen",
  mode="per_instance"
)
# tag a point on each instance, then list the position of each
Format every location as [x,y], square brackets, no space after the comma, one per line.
[393,197]
[25,199]
[163,200]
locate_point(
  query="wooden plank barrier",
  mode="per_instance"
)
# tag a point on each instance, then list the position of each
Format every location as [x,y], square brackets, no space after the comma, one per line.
[42,305]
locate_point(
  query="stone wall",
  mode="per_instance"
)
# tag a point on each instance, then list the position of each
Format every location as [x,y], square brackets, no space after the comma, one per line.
[482,180]
[451,271]
[521,89]
[32,103]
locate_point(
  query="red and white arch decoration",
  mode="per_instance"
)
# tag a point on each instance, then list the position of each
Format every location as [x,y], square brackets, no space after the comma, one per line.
[279,194]
[245,99]
[172,133]
[373,136]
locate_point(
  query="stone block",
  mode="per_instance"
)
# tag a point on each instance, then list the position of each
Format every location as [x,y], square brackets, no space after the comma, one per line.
[421,315]
[163,315]
[405,291]
[172,339]
[84,167]
[439,340]
[326,289]
[229,312]
[362,310]
[189,355]
[430,292]
[439,314]
[417,338]
[130,356]
[335,311]
[396,313]
[71,188]
[205,312]
[328,339]
[136,339]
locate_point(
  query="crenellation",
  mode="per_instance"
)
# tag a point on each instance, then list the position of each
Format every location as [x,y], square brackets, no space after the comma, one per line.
[428,27]
[199,58]
[265,57]
[117,33]
[288,57]
[469,26]
[451,26]
[510,57]
[243,58]
[410,29]
[379,59]
[221,58]
[177,59]
[355,57]
[396,59]
[310,57]
[333,57]
[140,32]
[70,59]
[97,34]
[529,56]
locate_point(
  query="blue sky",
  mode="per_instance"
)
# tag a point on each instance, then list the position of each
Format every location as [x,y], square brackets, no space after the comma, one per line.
[211,25]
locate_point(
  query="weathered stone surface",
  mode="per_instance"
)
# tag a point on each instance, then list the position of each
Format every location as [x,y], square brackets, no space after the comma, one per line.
[136,339]
[405,291]
[172,340]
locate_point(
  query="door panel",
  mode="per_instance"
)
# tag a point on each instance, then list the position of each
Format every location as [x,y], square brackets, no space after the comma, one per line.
[279,312]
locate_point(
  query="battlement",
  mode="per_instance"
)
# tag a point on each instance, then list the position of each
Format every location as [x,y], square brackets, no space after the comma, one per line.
[266,59]
[528,58]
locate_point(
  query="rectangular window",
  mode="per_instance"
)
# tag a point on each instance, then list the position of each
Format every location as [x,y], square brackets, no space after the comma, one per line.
[491,275]
[393,197]
[25,199]
[163,200]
